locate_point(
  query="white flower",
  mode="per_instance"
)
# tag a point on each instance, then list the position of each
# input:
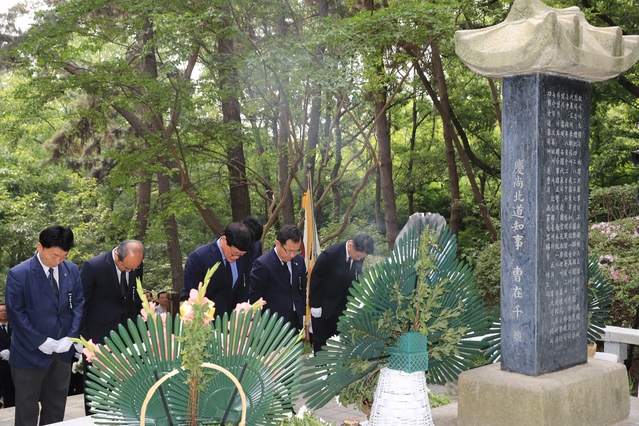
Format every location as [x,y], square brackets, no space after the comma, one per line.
[301,411]
[77,367]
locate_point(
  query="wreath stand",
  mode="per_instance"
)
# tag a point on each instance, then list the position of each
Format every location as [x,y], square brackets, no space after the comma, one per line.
[401,396]
[223,370]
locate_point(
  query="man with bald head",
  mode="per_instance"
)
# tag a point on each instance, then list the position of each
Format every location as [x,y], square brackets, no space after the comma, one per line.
[109,281]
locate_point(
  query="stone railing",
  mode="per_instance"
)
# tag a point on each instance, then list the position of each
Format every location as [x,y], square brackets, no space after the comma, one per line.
[617,339]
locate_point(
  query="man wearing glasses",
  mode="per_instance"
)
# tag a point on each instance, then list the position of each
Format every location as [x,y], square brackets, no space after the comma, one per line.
[229,283]
[279,277]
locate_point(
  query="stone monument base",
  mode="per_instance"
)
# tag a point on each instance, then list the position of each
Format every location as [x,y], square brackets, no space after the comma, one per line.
[593,394]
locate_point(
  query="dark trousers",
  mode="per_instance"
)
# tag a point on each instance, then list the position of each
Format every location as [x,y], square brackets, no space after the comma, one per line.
[323,329]
[7,388]
[47,386]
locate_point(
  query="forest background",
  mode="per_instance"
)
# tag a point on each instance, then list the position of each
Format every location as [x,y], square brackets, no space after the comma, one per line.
[165,120]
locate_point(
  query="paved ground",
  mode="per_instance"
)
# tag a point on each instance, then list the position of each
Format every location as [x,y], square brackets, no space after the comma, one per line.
[442,416]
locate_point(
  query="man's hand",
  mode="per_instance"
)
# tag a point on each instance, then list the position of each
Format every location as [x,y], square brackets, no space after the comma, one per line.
[49,346]
[4,354]
[64,345]
[316,312]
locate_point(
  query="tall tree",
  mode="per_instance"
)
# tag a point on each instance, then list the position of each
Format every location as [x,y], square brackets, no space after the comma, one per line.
[229,92]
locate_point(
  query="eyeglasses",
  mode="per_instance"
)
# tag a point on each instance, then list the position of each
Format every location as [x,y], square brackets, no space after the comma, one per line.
[236,254]
[291,252]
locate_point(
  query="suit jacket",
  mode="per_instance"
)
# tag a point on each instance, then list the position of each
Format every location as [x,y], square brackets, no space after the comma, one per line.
[270,280]
[331,280]
[104,306]
[219,290]
[35,312]
[5,343]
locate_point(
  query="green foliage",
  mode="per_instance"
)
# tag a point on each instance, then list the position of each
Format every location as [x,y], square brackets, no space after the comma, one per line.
[360,392]
[197,313]
[613,203]
[304,418]
[487,274]
[423,309]
[437,400]
[88,64]
[615,245]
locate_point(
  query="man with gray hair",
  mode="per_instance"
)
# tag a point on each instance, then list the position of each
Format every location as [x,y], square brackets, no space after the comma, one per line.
[109,283]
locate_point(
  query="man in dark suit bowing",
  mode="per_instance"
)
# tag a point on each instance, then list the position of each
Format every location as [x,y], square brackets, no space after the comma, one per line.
[44,304]
[6,381]
[109,283]
[279,277]
[333,274]
[229,283]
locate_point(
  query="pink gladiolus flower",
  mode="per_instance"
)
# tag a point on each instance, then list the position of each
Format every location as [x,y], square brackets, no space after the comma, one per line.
[245,306]
[193,295]
[186,311]
[91,351]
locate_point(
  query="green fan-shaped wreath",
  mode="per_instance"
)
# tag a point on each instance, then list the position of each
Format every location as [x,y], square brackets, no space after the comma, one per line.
[361,347]
[259,349]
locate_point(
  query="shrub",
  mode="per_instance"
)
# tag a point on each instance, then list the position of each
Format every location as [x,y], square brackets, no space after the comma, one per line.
[304,418]
[616,244]
[487,275]
[613,203]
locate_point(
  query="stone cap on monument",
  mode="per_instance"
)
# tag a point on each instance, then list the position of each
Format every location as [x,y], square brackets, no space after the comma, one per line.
[536,38]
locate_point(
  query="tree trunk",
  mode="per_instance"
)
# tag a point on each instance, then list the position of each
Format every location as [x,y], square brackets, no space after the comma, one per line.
[143,204]
[379,214]
[313,133]
[236,164]
[382,129]
[171,232]
[316,103]
[336,196]
[283,169]
[448,129]
[410,187]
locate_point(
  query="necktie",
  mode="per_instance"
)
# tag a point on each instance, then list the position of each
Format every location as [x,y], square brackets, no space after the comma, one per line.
[4,327]
[229,273]
[123,284]
[288,272]
[52,282]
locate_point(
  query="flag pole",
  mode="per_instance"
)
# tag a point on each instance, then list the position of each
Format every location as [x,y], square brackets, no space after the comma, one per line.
[311,247]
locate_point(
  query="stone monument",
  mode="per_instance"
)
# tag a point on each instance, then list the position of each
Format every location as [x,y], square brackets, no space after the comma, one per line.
[547,59]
